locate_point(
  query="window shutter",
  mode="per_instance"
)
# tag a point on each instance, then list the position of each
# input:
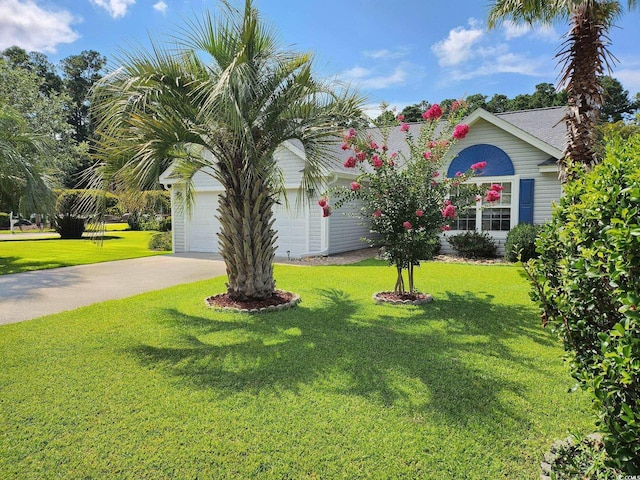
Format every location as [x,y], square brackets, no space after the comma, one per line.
[526,200]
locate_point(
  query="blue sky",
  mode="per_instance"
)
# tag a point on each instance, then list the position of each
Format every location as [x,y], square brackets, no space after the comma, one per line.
[398,51]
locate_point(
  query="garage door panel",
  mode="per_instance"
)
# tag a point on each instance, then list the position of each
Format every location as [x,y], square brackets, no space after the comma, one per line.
[290,226]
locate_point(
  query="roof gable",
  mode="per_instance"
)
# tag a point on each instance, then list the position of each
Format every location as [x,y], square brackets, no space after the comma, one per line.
[524,124]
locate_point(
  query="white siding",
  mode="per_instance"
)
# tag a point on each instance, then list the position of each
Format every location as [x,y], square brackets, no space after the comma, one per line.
[202,226]
[346,228]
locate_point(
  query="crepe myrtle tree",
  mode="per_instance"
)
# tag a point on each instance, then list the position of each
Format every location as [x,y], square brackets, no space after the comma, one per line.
[406,197]
[222,96]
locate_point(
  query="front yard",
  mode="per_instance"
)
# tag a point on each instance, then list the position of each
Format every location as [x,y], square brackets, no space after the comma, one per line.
[159,386]
[18,255]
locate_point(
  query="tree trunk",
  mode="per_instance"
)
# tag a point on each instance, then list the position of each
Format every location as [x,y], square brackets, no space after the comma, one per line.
[584,56]
[247,239]
[411,288]
[399,287]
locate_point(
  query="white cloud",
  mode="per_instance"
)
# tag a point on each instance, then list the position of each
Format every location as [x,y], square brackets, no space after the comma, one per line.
[503,63]
[630,79]
[459,44]
[362,77]
[29,26]
[386,54]
[514,30]
[116,8]
[160,6]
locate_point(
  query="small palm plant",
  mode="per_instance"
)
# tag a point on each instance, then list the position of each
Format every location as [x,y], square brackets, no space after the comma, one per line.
[224,96]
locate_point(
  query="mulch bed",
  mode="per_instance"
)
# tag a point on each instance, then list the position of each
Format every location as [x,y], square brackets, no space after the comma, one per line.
[279,299]
[415,298]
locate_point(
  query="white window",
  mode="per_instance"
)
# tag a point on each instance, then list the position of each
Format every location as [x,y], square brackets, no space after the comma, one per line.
[498,216]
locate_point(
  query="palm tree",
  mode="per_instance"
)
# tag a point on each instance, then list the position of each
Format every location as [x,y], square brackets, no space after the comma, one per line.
[223,96]
[24,183]
[584,56]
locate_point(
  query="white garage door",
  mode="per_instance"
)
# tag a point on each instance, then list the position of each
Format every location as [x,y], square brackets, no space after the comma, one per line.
[291,226]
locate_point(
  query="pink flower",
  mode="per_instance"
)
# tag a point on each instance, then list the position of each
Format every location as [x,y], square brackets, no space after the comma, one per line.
[400,118]
[434,184]
[377,163]
[426,155]
[497,187]
[350,163]
[404,127]
[326,211]
[436,174]
[394,154]
[455,105]
[384,148]
[458,173]
[419,213]
[443,143]
[478,165]
[445,228]
[373,145]
[361,156]
[350,134]
[377,213]
[345,146]
[460,131]
[323,201]
[355,186]
[407,225]
[492,196]
[432,144]
[449,211]
[434,112]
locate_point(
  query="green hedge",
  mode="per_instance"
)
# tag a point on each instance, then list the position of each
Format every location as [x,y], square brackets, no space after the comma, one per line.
[587,283]
[473,245]
[521,243]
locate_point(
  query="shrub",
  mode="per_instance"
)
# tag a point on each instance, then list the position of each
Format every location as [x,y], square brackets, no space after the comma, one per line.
[473,245]
[587,284]
[521,243]
[69,227]
[161,241]
[5,221]
[67,221]
[165,224]
[578,458]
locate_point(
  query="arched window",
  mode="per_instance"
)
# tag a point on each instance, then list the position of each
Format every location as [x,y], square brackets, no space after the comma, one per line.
[498,162]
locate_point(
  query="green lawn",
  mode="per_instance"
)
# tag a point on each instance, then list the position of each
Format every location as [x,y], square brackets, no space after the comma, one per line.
[23,255]
[158,386]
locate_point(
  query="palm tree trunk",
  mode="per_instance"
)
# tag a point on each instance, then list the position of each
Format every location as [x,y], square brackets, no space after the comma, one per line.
[585,58]
[247,239]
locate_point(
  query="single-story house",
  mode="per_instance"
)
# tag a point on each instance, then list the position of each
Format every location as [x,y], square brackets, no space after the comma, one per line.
[521,149]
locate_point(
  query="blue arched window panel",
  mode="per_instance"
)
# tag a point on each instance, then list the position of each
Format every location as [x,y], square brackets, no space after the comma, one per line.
[498,162]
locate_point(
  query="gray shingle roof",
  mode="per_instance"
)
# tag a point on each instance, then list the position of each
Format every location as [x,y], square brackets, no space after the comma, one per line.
[543,123]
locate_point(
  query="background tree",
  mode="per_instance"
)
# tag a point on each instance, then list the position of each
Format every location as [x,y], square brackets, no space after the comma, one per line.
[616,104]
[584,56]
[499,103]
[224,95]
[37,63]
[44,118]
[81,72]
[24,183]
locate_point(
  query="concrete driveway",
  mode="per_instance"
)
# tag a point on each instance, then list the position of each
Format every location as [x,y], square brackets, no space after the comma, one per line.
[28,295]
